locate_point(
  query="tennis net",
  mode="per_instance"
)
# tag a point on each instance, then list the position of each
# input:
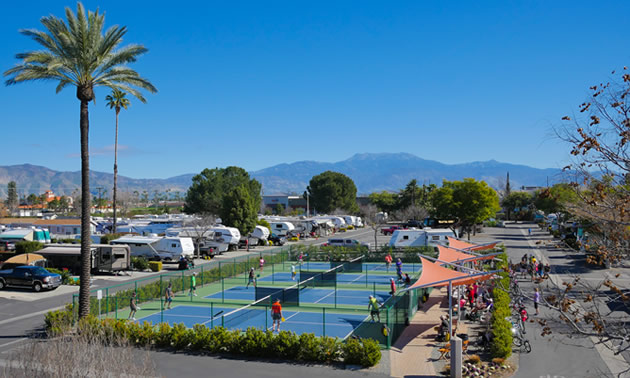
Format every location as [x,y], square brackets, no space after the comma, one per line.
[234,318]
[352,266]
[288,296]
[321,278]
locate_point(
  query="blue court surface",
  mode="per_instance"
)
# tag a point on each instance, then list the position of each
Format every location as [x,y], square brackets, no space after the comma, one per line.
[336,325]
[342,278]
[371,266]
[326,296]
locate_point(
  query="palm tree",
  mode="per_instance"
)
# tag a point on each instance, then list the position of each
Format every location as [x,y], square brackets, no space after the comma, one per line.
[116,101]
[80,54]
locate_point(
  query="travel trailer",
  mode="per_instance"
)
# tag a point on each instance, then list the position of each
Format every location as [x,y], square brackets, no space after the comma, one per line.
[261,233]
[105,258]
[169,248]
[420,238]
[281,228]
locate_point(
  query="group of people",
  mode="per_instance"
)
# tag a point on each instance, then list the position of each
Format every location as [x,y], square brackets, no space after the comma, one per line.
[529,266]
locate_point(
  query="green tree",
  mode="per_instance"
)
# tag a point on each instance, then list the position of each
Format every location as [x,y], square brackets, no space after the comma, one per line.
[517,202]
[80,54]
[280,209]
[32,199]
[205,195]
[12,196]
[555,199]
[116,101]
[385,201]
[333,190]
[54,204]
[239,210]
[468,202]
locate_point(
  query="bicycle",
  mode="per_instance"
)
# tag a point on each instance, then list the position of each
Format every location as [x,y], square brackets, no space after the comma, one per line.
[518,339]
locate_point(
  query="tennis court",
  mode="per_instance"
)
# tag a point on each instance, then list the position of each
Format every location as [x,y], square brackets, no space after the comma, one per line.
[324,323]
[317,295]
[342,278]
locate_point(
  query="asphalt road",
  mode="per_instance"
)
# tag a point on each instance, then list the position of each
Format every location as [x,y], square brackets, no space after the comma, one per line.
[561,354]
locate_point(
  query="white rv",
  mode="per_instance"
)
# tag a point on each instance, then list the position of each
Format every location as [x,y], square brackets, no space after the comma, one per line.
[420,237]
[281,228]
[261,233]
[168,248]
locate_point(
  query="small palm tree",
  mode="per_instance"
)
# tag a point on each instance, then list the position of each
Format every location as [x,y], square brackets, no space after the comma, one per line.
[80,54]
[116,101]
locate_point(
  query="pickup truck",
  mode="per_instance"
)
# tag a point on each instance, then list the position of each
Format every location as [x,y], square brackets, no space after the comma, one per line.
[34,277]
[390,230]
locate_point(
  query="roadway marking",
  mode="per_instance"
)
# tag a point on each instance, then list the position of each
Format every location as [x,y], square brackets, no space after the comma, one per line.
[15,319]
[13,342]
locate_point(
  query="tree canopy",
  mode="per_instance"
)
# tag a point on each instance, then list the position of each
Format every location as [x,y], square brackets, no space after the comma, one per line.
[216,191]
[555,199]
[517,202]
[333,190]
[468,202]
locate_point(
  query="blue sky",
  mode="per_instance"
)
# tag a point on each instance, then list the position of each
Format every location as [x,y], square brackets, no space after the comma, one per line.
[255,84]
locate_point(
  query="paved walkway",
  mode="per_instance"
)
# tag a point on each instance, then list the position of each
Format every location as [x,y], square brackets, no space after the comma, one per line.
[416,351]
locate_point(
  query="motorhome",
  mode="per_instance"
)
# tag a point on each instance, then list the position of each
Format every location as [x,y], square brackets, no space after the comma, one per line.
[169,248]
[281,228]
[420,238]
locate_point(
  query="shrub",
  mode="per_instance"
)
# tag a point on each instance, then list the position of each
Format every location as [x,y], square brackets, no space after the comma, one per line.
[66,276]
[201,337]
[256,343]
[155,266]
[139,263]
[222,340]
[140,335]
[474,359]
[330,349]
[365,352]
[498,361]
[105,239]
[286,345]
[181,336]
[28,247]
[163,335]
[59,322]
[309,347]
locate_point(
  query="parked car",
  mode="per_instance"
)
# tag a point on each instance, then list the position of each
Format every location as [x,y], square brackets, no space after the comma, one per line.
[413,223]
[35,277]
[277,240]
[390,230]
[348,243]
[7,245]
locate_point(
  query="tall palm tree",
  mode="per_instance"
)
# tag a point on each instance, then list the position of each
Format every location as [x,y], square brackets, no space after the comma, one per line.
[116,101]
[81,54]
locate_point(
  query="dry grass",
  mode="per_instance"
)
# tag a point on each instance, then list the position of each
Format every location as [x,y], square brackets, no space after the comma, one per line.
[76,356]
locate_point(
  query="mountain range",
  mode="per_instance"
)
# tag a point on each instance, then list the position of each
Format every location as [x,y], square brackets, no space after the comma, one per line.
[371,172]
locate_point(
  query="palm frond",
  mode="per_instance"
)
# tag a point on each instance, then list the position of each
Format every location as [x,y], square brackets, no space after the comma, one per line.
[76,51]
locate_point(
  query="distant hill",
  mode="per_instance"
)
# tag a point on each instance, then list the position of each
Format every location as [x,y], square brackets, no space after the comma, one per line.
[370,172]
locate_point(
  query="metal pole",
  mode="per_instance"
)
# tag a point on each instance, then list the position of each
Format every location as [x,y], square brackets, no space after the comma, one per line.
[324,320]
[211,314]
[222,291]
[450,310]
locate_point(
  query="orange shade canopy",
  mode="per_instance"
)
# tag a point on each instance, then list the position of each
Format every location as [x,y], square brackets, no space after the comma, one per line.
[458,244]
[435,275]
[450,255]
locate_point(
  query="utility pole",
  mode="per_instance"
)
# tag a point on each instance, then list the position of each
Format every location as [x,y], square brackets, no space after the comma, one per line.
[99,198]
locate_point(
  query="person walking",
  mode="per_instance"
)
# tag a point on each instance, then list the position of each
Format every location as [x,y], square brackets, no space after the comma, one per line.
[392,287]
[261,264]
[169,295]
[252,277]
[407,280]
[301,258]
[536,300]
[193,285]
[133,305]
[399,269]
[388,261]
[276,314]
[374,307]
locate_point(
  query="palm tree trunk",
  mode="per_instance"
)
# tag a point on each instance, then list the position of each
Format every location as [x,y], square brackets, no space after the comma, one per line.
[115,170]
[84,289]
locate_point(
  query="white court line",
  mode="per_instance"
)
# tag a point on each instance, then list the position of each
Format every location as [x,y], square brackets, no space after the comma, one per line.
[285,319]
[360,276]
[324,297]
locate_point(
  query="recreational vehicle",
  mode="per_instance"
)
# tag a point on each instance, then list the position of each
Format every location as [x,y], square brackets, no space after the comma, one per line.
[154,247]
[104,258]
[261,233]
[282,228]
[420,238]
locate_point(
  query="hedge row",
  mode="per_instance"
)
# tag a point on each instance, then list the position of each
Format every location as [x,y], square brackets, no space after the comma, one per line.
[501,346]
[218,340]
